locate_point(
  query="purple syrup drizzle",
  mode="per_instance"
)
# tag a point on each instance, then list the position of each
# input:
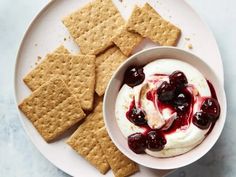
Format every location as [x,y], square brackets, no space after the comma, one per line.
[213,95]
[156,138]
[212,89]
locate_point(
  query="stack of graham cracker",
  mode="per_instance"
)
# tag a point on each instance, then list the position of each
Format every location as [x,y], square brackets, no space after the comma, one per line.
[67,88]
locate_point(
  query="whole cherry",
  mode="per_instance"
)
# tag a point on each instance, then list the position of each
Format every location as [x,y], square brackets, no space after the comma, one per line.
[155,140]
[137,116]
[201,120]
[178,79]
[182,101]
[212,108]
[137,143]
[165,92]
[134,76]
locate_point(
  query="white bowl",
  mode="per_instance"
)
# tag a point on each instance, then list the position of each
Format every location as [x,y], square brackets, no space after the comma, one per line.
[142,58]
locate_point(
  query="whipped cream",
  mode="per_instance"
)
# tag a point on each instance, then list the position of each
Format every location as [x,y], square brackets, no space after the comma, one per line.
[184,138]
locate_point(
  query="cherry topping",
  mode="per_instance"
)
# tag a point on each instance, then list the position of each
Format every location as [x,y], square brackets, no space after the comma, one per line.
[155,140]
[182,101]
[134,76]
[137,142]
[165,92]
[137,116]
[212,108]
[178,79]
[201,120]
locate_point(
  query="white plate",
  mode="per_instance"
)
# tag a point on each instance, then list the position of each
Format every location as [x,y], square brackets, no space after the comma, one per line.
[47,32]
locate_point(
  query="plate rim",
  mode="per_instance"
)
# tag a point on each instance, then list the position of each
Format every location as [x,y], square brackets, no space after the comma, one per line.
[33,21]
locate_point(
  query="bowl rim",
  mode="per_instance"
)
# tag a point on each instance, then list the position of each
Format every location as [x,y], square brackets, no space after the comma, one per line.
[223,104]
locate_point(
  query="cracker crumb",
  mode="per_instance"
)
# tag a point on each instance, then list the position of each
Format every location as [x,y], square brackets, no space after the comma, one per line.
[39,58]
[190,46]
[187,38]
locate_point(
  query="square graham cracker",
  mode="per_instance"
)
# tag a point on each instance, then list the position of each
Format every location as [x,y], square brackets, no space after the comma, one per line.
[94,26]
[52,109]
[127,41]
[151,25]
[77,71]
[149,8]
[106,63]
[84,140]
[82,80]
[35,78]
[120,164]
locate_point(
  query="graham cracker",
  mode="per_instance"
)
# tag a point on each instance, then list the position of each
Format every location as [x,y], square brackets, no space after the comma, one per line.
[52,109]
[120,164]
[82,80]
[37,76]
[127,41]
[85,142]
[77,71]
[94,26]
[106,63]
[150,9]
[151,25]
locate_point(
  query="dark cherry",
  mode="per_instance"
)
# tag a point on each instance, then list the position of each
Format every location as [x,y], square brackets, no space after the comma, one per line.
[165,92]
[178,79]
[182,109]
[134,76]
[137,116]
[212,108]
[155,140]
[137,142]
[201,120]
[182,101]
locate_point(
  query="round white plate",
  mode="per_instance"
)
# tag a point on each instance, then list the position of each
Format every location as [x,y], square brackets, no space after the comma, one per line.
[47,32]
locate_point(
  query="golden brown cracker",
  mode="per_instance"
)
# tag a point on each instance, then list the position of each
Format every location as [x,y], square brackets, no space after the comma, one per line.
[94,26]
[52,109]
[150,9]
[85,142]
[82,80]
[120,164]
[36,77]
[106,63]
[77,71]
[91,15]
[153,26]
[127,41]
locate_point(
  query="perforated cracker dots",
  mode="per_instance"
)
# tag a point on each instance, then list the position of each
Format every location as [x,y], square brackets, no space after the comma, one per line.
[94,26]
[85,142]
[36,77]
[120,164]
[150,24]
[50,111]
[127,41]
[106,63]
[77,71]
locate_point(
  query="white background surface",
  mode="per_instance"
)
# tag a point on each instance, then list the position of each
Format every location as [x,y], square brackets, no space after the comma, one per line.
[18,157]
